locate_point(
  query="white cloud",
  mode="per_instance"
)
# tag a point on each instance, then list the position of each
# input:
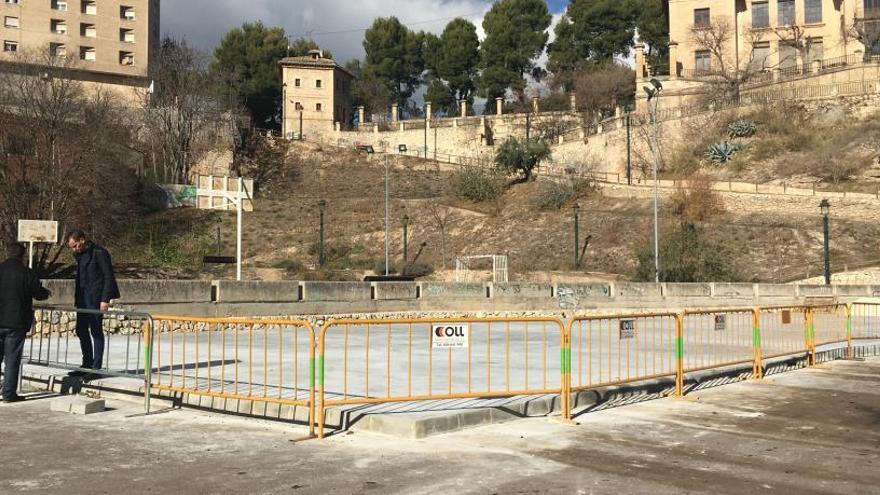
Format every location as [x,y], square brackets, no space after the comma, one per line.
[336,25]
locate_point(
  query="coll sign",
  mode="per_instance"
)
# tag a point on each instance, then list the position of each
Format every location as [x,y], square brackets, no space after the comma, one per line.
[450,335]
[720,323]
[627,329]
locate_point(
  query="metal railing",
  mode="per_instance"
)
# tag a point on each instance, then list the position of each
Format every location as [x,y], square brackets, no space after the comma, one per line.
[269,361]
[239,362]
[403,360]
[127,348]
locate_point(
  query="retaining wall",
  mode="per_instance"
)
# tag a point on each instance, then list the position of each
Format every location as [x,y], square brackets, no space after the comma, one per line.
[256,298]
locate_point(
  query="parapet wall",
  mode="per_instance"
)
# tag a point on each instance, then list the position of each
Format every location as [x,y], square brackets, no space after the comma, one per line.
[257,298]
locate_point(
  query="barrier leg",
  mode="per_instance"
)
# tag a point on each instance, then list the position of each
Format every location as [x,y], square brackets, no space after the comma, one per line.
[758,368]
[849,318]
[809,337]
[148,364]
[679,357]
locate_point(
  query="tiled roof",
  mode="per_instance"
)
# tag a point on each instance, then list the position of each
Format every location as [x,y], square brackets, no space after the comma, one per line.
[313,62]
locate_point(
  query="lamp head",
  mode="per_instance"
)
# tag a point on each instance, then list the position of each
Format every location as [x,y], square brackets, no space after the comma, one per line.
[825,206]
[656,83]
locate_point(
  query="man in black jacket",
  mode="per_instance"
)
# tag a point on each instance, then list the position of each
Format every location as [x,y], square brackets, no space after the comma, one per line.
[19,286]
[95,287]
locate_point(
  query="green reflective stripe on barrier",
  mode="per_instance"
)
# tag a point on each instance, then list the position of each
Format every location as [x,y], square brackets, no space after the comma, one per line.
[756,337]
[679,347]
[565,360]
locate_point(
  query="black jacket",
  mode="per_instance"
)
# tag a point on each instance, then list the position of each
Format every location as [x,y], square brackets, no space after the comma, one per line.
[95,282]
[19,286]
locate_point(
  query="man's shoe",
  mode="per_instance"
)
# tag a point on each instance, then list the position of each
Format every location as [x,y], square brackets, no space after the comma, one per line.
[13,398]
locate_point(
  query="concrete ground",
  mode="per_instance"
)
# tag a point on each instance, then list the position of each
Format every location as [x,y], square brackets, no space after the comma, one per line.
[808,431]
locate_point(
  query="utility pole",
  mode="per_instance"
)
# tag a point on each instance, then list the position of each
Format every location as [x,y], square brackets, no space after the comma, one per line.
[386,215]
[654,94]
[238,220]
[576,211]
[321,206]
[826,208]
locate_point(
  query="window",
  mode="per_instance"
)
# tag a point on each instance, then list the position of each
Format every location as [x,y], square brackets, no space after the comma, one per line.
[87,53]
[296,82]
[701,18]
[58,49]
[126,58]
[702,61]
[812,11]
[89,8]
[126,35]
[10,22]
[872,8]
[88,30]
[297,106]
[816,51]
[786,12]
[58,26]
[318,107]
[760,57]
[13,2]
[318,83]
[788,56]
[10,46]
[760,15]
[59,5]
[126,12]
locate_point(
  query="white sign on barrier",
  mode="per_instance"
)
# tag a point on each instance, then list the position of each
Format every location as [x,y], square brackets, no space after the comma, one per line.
[38,231]
[450,335]
[720,323]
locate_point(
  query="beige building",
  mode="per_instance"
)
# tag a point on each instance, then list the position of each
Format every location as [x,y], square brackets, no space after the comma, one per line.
[767,40]
[112,41]
[317,95]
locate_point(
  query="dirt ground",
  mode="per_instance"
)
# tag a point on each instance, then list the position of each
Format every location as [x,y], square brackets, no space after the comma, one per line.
[808,432]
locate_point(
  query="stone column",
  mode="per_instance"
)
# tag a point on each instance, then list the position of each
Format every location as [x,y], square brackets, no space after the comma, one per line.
[641,71]
[673,60]
[394,110]
[337,127]
[361,114]
[463,105]
[535,104]
[573,102]
[428,110]
[499,106]
[618,112]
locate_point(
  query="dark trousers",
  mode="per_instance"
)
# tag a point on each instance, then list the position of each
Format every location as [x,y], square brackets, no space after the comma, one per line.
[90,332]
[11,346]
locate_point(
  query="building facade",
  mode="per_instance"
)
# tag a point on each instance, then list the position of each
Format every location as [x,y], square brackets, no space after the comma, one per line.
[111,42]
[316,94]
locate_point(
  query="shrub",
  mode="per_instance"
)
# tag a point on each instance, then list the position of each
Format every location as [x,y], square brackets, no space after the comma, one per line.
[741,129]
[289,265]
[696,201]
[333,250]
[556,194]
[379,268]
[722,152]
[478,184]
[521,157]
[687,254]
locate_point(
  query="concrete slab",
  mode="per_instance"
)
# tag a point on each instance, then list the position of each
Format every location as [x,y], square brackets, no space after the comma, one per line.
[77,405]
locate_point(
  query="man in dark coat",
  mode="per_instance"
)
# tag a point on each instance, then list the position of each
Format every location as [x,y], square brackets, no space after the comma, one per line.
[95,288]
[19,286]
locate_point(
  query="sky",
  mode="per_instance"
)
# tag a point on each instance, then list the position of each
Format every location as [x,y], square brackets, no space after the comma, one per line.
[336,25]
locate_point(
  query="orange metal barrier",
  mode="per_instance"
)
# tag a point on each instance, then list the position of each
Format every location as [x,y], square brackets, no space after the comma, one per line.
[865,321]
[269,361]
[718,338]
[829,324]
[783,330]
[400,360]
[609,350]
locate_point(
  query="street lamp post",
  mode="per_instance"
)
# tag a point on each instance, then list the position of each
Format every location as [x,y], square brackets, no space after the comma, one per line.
[405,237]
[576,213]
[654,94]
[321,206]
[386,215]
[825,206]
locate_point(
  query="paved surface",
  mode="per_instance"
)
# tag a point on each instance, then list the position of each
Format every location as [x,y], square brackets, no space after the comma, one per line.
[809,431]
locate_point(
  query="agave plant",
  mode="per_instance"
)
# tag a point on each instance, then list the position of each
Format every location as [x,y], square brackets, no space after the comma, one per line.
[741,129]
[722,152]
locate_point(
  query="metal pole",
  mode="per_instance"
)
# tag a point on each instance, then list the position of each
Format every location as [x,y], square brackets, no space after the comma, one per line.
[827,254]
[239,207]
[31,254]
[656,194]
[386,215]
[321,205]
[405,238]
[300,125]
[577,236]
[629,179]
[426,133]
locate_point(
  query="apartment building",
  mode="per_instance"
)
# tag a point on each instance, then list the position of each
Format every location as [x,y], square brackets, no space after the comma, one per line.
[111,41]
[763,34]
[316,94]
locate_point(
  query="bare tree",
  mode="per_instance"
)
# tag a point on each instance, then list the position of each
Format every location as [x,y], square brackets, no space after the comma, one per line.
[62,150]
[865,29]
[728,72]
[442,217]
[183,114]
